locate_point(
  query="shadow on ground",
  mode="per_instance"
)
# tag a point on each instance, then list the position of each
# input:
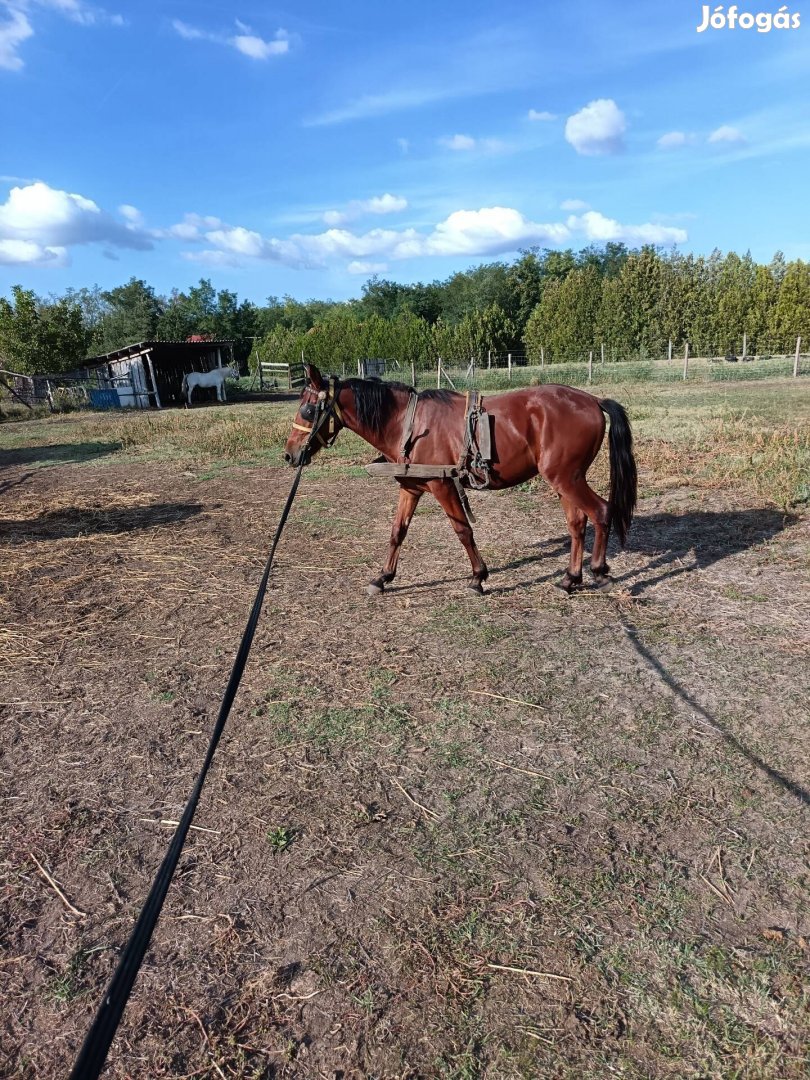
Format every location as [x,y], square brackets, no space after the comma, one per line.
[681,543]
[657,665]
[58,454]
[64,524]
[675,543]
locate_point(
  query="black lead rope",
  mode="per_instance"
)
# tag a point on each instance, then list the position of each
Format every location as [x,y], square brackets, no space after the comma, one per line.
[93,1053]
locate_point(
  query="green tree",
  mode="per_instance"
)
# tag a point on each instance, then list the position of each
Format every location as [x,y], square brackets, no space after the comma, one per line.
[133,315]
[541,328]
[764,293]
[791,313]
[525,278]
[734,291]
[37,337]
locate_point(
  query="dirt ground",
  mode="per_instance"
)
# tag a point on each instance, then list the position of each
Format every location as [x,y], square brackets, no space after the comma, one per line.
[445,835]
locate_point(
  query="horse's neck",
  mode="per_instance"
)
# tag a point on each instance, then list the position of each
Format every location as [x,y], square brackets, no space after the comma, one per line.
[387,441]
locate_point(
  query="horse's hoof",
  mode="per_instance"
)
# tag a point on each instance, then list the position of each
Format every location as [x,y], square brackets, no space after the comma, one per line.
[602,581]
[569,582]
[476,586]
[373,589]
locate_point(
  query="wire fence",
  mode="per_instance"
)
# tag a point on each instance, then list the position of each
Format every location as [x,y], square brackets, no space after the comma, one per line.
[592,373]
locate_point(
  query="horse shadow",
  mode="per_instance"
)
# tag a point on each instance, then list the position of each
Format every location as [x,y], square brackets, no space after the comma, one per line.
[70,523]
[675,543]
[682,543]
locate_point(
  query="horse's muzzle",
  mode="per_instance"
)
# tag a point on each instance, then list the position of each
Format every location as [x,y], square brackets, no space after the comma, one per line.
[297,458]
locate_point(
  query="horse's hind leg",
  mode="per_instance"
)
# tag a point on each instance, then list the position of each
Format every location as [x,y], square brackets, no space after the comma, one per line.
[448,499]
[408,498]
[587,502]
[577,521]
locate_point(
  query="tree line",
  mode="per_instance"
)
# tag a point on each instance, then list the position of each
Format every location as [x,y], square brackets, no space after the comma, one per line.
[558,305]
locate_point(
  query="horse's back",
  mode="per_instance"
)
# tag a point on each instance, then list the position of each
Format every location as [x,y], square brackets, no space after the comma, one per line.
[545,426]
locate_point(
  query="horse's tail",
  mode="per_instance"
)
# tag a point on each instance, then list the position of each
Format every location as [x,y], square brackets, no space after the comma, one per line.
[185,384]
[623,475]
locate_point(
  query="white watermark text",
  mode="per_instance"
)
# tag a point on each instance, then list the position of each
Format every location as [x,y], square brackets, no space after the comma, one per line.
[731,18]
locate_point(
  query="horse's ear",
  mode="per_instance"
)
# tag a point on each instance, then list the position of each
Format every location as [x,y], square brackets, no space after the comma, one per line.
[314,376]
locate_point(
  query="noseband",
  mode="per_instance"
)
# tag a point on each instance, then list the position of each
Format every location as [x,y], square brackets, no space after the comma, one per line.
[323,411]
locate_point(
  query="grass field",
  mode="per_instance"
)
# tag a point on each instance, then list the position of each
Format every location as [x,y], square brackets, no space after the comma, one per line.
[512,836]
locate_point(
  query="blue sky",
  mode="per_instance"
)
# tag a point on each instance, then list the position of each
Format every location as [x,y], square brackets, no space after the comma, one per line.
[300,150]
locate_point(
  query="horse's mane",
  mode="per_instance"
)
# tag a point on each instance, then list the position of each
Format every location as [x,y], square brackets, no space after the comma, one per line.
[376,403]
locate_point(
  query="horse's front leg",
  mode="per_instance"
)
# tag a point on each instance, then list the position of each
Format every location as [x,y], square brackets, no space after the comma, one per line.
[448,499]
[406,507]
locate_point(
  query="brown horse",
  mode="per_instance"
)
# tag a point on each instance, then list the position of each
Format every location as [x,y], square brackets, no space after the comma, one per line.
[550,430]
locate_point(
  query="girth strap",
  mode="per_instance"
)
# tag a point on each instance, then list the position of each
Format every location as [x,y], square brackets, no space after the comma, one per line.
[476,452]
[407,426]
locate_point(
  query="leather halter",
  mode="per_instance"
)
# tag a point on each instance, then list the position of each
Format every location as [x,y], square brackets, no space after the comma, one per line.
[327,411]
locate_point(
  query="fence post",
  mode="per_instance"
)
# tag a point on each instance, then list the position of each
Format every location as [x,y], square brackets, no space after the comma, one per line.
[509,365]
[542,357]
[359,372]
[489,359]
[796,357]
[590,365]
[669,351]
[745,345]
[685,359]
[439,375]
[413,374]
[602,347]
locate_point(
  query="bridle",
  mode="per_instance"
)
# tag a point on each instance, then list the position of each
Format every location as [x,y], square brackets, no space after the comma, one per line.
[325,410]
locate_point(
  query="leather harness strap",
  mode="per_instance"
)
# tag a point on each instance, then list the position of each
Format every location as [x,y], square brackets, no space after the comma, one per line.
[327,411]
[476,451]
[407,426]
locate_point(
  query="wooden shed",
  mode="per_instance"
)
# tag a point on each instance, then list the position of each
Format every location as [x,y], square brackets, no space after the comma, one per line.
[150,374]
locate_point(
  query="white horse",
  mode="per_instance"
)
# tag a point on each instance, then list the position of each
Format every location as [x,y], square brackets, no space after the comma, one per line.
[215,378]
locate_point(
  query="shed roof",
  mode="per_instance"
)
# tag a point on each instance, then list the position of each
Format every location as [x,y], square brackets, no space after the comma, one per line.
[140,347]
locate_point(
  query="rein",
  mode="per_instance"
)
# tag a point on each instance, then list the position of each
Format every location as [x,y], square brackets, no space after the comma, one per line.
[93,1053]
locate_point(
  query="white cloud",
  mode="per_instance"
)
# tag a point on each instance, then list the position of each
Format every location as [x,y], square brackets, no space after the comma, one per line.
[359,267]
[488,231]
[79,12]
[672,140]
[378,204]
[39,223]
[245,42]
[385,204]
[727,134]
[600,229]
[131,213]
[597,129]
[466,143]
[574,204]
[404,145]
[458,142]
[335,217]
[30,253]
[535,115]
[259,49]
[17,27]
[191,227]
[12,34]
[190,33]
